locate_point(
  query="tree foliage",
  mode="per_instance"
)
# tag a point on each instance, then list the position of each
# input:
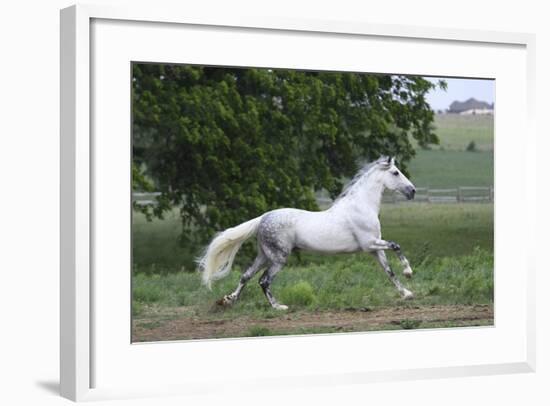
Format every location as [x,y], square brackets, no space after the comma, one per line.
[228,144]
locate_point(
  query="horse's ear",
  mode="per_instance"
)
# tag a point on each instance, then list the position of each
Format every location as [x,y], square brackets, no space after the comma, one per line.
[392,161]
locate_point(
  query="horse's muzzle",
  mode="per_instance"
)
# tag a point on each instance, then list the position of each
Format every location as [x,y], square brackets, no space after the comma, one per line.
[410,192]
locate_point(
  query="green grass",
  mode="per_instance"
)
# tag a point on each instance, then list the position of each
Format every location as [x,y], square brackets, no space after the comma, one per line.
[449,169]
[450,248]
[299,294]
[449,164]
[422,230]
[156,247]
[259,331]
[438,230]
[352,281]
[456,131]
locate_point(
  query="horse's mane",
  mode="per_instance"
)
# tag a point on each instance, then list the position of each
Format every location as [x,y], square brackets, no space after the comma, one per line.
[360,175]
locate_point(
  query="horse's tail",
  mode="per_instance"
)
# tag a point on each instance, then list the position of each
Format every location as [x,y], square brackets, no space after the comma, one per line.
[218,257]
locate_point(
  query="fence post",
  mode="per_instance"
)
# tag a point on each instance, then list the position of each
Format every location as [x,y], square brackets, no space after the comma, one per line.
[458,197]
[428,194]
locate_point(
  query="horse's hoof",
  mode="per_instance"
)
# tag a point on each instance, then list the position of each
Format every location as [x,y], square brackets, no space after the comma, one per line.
[407,272]
[280,307]
[408,295]
[225,301]
[394,246]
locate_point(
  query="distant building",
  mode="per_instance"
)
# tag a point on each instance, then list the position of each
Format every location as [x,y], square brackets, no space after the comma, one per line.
[471,106]
[477,111]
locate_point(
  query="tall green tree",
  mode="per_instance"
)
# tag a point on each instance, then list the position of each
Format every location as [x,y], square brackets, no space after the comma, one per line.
[228,144]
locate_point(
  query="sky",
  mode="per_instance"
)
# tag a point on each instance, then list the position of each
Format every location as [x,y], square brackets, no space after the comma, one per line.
[461,90]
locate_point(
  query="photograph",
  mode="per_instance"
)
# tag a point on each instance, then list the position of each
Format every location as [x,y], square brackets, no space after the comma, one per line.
[278,202]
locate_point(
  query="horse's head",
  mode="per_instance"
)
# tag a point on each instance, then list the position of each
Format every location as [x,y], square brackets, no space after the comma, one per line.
[392,178]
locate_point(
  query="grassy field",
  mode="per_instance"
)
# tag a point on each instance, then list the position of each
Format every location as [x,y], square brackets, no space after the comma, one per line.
[449,165]
[422,229]
[457,131]
[344,284]
[450,247]
[437,240]
[442,169]
[156,247]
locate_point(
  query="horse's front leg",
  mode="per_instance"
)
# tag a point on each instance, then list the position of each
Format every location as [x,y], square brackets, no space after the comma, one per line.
[380,256]
[407,271]
[390,245]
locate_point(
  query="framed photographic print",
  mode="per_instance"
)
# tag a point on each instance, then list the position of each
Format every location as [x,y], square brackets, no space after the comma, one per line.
[187,129]
[240,197]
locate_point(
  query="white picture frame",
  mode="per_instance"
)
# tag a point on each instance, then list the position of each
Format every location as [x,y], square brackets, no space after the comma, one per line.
[78,350]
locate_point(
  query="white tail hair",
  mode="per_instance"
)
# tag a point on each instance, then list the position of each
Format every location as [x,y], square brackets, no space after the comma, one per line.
[218,257]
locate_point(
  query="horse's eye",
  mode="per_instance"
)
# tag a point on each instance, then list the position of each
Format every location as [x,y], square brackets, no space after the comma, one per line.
[395,173]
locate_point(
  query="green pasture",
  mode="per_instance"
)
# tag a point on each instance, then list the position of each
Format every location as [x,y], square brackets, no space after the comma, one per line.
[450,248]
[350,281]
[422,229]
[449,169]
[456,131]
[449,164]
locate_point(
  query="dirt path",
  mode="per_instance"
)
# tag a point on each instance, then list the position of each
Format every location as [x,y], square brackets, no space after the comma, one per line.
[184,326]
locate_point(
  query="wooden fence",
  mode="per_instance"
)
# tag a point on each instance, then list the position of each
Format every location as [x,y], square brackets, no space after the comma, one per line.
[145,199]
[461,194]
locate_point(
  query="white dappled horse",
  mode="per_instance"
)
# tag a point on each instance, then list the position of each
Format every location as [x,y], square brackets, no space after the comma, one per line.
[351,224]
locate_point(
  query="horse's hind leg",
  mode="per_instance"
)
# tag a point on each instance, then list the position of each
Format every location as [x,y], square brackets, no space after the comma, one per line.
[256,266]
[265,283]
[383,261]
